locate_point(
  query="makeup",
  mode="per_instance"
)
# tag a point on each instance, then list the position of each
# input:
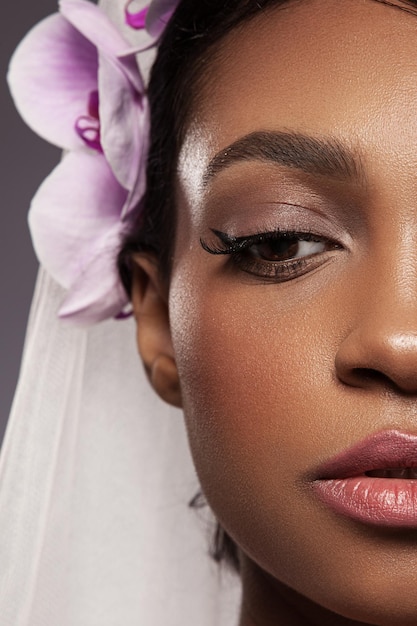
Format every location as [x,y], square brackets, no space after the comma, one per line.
[374,482]
[276,256]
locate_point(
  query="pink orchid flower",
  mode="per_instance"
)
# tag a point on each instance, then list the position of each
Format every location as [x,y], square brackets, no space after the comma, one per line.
[153,18]
[77,84]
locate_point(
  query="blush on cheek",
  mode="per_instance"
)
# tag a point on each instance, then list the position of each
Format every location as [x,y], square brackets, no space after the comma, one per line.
[245,373]
[242,400]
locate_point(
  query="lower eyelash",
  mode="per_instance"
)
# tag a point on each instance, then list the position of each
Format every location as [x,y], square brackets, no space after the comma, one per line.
[284,270]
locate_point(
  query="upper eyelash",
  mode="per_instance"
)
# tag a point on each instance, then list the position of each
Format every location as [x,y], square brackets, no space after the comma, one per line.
[232,245]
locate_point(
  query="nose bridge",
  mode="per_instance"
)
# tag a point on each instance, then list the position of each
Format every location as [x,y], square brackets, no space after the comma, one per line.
[391,281]
[388,316]
[389,295]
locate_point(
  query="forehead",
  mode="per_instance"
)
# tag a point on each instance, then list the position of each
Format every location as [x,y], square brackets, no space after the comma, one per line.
[322,67]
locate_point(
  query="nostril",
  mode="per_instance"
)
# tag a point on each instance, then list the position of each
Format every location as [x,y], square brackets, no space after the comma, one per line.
[371,375]
[368,377]
[375,357]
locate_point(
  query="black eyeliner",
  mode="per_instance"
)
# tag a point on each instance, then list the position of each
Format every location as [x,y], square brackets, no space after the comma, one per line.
[232,245]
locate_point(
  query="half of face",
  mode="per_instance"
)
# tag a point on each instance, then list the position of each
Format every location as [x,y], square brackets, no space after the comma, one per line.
[290,329]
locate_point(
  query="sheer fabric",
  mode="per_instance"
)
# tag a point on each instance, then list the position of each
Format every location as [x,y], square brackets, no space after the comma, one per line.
[95,480]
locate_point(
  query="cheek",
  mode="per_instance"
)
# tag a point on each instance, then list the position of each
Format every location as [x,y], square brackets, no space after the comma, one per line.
[254,371]
[263,408]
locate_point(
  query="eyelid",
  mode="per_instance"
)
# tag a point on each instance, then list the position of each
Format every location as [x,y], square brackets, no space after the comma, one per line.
[283,217]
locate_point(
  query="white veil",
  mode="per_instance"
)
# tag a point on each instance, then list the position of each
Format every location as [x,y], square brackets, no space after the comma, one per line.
[95,480]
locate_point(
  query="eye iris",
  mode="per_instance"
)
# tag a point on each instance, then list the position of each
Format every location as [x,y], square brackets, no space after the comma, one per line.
[277,249]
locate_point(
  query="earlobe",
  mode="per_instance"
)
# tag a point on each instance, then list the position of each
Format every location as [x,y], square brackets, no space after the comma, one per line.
[165,381]
[153,333]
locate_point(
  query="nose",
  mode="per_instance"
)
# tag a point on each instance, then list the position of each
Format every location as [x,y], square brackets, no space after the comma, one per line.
[379,357]
[380,348]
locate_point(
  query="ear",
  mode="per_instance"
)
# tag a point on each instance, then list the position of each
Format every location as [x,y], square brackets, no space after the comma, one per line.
[150,305]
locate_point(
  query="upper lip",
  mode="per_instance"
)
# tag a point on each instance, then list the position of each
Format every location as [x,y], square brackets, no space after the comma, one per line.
[383,450]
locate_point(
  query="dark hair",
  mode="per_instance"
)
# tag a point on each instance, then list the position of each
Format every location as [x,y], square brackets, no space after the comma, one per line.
[179,71]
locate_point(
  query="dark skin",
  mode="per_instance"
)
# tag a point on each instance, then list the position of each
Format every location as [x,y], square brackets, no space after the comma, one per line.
[279,367]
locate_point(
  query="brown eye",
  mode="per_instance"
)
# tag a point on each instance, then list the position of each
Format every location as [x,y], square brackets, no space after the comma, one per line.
[284,248]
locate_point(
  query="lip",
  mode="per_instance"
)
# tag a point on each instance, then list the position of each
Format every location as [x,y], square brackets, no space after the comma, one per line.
[342,485]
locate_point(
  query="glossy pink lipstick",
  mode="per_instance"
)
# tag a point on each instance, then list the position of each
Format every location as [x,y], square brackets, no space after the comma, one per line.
[374,482]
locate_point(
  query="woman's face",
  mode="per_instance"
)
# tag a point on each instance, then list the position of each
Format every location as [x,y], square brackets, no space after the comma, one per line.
[292,350]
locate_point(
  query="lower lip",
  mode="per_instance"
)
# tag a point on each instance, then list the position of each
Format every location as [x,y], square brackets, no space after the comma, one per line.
[388,502]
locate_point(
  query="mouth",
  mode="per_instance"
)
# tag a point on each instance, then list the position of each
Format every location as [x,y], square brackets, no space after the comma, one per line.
[396,472]
[374,482]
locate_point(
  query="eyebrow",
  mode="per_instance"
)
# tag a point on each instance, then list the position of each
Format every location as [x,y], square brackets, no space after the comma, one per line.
[316,156]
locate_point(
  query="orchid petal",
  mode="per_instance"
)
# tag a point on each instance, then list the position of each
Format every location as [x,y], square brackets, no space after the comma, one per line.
[74,207]
[138,190]
[129,65]
[159,14]
[123,124]
[94,24]
[134,37]
[98,293]
[51,74]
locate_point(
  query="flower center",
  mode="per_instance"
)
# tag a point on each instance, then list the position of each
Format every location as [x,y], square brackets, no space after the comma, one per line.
[88,126]
[135,20]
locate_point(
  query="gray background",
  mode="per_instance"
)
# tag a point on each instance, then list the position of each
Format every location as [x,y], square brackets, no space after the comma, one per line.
[25,161]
